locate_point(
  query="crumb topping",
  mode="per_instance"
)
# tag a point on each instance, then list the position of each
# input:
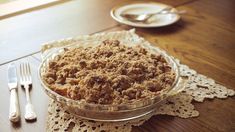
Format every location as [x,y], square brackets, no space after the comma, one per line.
[110,73]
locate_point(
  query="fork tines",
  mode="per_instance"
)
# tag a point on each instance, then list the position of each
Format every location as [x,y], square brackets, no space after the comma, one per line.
[25,73]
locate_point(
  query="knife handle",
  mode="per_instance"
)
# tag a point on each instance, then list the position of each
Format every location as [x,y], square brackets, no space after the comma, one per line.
[14,113]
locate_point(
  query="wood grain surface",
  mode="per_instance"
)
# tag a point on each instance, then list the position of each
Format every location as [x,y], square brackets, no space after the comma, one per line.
[204,39]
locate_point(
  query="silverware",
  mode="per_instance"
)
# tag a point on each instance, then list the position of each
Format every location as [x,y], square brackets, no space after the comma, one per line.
[14,112]
[26,83]
[146,17]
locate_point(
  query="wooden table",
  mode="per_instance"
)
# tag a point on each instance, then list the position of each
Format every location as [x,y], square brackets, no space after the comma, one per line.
[204,40]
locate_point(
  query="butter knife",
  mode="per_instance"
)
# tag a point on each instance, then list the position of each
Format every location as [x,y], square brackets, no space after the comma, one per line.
[14,114]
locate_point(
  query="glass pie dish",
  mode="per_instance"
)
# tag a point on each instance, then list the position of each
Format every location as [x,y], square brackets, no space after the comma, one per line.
[111,113]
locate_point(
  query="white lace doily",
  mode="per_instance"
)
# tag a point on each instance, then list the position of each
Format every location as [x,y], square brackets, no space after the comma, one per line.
[198,87]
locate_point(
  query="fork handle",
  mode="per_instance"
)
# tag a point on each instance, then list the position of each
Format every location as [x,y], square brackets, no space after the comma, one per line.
[14,112]
[173,12]
[29,110]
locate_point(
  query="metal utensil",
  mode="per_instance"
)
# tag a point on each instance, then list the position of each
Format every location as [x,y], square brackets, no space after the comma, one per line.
[146,17]
[26,83]
[14,112]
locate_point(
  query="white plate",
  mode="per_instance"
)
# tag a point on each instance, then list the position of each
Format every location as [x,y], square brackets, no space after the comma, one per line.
[142,8]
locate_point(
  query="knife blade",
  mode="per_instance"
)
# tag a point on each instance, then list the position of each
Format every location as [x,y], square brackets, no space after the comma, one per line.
[14,114]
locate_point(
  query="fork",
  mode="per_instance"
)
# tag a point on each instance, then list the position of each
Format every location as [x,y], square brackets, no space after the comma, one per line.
[145,17]
[26,83]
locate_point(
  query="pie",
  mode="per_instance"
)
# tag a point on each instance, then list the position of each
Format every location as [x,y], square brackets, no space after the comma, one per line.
[110,73]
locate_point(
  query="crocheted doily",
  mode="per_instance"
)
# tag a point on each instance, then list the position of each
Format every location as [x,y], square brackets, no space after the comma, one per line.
[198,87]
